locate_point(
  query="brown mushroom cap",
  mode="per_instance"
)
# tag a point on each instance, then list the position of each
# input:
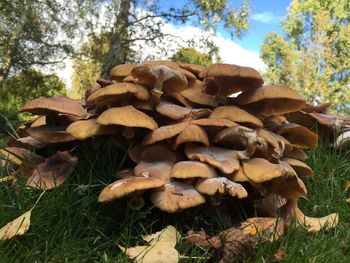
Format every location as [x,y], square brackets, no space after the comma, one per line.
[194,68]
[127,186]
[302,169]
[214,122]
[271,100]
[227,161]
[117,92]
[152,153]
[296,153]
[49,134]
[165,132]
[17,155]
[40,121]
[192,133]
[57,104]
[177,112]
[194,94]
[299,135]
[121,71]
[176,196]
[220,185]
[84,129]
[160,170]
[127,116]
[259,170]
[26,142]
[232,78]
[238,176]
[235,114]
[192,169]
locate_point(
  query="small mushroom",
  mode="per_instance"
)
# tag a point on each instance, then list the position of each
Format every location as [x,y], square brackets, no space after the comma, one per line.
[192,169]
[192,133]
[176,196]
[259,170]
[128,186]
[220,185]
[160,169]
[296,153]
[121,71]
[127,116]
[298,135]
[194,94]
[302,169]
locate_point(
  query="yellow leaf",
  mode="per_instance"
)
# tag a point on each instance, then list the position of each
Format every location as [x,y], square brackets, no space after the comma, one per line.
[17,227]
[347,186]
[314,225]
[269,228]
[160,250]
[168,235]
[158,253]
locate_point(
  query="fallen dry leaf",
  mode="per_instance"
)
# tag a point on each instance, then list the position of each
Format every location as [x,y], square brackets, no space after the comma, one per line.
[53,172]
[347,186]
[269,228]
[279,255]
[17,227]
[160,249]
[231,244]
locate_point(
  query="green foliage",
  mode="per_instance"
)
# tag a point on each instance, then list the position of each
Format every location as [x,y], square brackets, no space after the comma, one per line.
[191,55]
[23,87]
[313,56]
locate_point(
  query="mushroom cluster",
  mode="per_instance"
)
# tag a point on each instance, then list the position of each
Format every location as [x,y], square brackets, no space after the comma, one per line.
[196,134]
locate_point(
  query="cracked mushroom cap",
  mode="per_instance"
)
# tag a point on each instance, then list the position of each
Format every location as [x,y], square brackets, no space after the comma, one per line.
[302,169]
[259,170]
[127,116]
[192,169]
[192,133]
[271,100]
[176,196]
[56,104]
[220,185]
[117,93]
[232,78]
[160,78]
[227,161]
[81,130]
[298,135]
[177,112]
[127,186]
[121,71]
[235,114]
[160,169]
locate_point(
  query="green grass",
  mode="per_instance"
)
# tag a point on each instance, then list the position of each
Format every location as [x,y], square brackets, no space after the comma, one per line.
[68,225]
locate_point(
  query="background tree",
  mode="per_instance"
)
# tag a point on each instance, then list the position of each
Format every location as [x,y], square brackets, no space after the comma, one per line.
[23,87]
[191,55]
[34,33]
[312,56]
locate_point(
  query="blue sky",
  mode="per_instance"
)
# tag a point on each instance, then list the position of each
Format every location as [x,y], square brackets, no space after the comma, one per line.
[266,16]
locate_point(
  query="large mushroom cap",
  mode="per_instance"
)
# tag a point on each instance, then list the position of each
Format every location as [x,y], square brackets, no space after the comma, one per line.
[299,135]
[231,78]
[227,161]
[271,100]
[160,169]
[128,186]
[176,196]
[121,71]
[194,94]
[235,114]
[220,185]
[84,129]
[192,133]
[57,104]
[118,92]
[259,170]
[127,116]
[302,169]
[49,134]
[192,169]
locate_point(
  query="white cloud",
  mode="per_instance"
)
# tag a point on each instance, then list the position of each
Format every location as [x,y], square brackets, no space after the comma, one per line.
[265,17]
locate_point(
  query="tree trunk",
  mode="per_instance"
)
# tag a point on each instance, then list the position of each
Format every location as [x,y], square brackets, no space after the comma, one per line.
[14,40]
[119,45]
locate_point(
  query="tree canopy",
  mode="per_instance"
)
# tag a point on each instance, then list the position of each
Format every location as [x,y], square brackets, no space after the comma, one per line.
[312,55]
[191,55]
